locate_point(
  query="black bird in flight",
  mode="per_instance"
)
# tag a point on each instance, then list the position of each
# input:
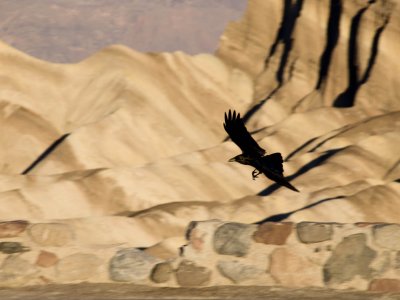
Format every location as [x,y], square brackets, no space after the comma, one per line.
[252,154]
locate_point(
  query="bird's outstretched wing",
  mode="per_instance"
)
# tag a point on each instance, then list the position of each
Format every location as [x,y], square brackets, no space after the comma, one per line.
[234,126]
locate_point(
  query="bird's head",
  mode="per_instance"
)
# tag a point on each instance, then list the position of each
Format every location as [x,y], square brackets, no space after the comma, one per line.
[239,159]
[233,159]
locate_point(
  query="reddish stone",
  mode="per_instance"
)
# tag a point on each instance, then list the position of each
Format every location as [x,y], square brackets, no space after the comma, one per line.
[46,259]
[291,269]
[273,233]
[196,240]
[12,228]
[385,285]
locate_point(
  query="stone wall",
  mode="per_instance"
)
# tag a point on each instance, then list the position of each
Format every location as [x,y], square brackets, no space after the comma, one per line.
[363,256]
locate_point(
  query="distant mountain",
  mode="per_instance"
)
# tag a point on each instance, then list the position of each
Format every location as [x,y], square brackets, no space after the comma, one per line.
[70,30]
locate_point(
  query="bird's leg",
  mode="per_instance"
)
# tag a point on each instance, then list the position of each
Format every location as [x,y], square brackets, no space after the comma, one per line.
[255,174]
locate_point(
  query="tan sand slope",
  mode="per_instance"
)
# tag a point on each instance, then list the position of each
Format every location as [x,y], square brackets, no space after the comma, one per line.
[145,150]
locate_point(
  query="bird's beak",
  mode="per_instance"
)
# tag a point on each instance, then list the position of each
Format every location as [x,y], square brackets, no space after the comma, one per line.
[232,160]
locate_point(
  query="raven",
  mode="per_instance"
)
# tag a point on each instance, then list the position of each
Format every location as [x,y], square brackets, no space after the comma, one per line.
[252,154]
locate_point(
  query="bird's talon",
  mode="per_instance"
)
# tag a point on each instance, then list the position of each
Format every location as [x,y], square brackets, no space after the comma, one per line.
[255,174]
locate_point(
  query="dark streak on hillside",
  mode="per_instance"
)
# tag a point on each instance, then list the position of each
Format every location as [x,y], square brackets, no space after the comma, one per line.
[291,11]
[304,169]
[283,216]
[347,98]
[46,153]
[332,37]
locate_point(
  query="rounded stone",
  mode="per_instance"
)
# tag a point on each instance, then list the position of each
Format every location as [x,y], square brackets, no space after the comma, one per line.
[273,233]
[189,274]
[387,236]
[77,267]
[12,228]
[238,272]
[350,258]
[17,270]
[131,264]
[397,261]
[162,272]
[51,234]
[12,247]
[386,285]
[46,259]
[291,269]
[310,232]
[233,239]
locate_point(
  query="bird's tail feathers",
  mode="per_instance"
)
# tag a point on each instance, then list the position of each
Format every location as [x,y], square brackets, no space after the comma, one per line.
[289,186]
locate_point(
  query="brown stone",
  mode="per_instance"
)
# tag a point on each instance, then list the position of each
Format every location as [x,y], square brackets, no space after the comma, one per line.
[385,285]
[46,259]
[12,228]
[162,272]
[189,274]
[273,233]
[292,270]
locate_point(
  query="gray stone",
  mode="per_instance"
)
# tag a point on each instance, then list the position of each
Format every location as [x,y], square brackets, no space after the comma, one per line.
[381,263]
[131,264]
[162,272]
[51,234]
[397,261]
[12,247]
[351,257]
[233,239]
[15,269]
[237,271]
[309,232]
[77,267]
[189,274]
[387,236]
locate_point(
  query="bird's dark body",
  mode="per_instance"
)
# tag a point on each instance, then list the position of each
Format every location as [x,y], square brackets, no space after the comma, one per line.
[252,154]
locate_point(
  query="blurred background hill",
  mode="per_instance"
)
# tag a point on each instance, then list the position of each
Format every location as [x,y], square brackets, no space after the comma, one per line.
[69,31]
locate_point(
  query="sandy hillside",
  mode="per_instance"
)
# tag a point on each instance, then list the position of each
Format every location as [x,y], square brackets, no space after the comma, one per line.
[134,143]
